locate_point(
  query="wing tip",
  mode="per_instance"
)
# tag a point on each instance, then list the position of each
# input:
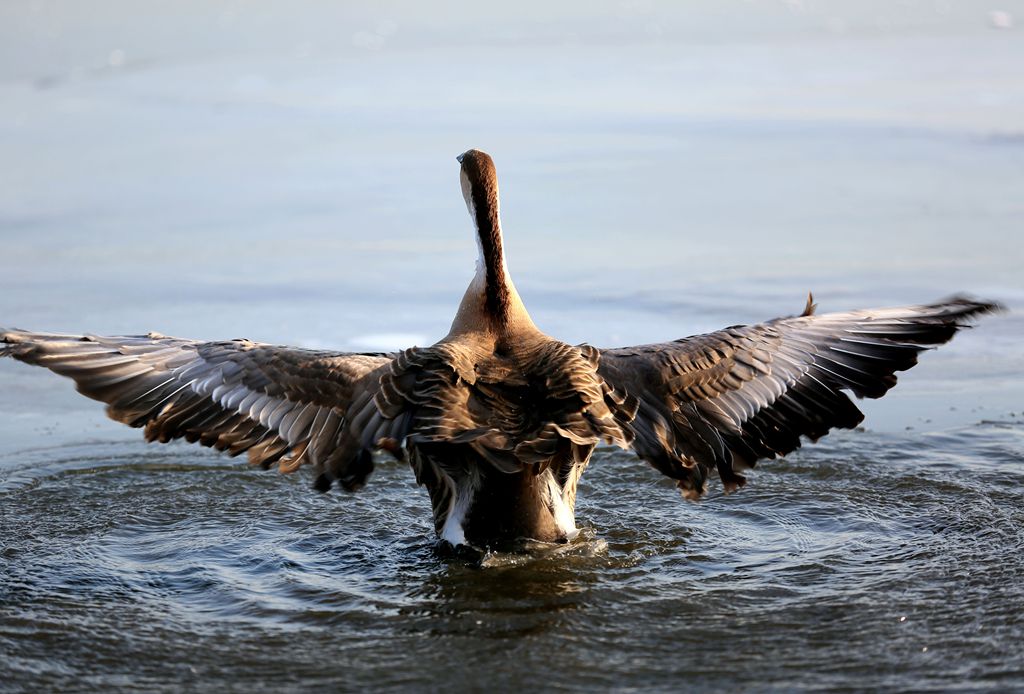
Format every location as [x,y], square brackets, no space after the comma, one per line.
[9,337]
[966,306]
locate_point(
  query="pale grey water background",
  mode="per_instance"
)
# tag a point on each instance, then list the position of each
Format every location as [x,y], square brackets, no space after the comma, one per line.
[288,175]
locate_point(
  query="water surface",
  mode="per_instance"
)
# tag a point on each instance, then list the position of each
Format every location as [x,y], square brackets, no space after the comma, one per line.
[290,177]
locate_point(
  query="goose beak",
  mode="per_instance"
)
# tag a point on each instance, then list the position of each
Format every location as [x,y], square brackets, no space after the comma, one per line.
[459,158]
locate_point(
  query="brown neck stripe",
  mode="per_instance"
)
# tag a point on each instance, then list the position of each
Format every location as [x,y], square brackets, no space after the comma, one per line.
[483,186]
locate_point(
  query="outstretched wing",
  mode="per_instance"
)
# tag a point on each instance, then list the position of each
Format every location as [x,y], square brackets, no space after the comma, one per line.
[729,398]
[281,405]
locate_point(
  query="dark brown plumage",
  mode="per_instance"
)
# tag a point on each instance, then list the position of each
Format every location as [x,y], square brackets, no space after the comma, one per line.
[482,201]
[498,420]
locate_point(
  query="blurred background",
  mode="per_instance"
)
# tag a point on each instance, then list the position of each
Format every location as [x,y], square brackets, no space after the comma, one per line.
[285,172]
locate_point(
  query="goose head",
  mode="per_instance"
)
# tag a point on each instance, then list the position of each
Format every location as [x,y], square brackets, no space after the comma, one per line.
[480,190]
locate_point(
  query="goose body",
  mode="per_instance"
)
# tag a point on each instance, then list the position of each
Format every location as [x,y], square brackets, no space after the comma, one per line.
[499,420]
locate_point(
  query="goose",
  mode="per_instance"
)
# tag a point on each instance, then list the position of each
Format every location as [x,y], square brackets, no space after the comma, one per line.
[498,420]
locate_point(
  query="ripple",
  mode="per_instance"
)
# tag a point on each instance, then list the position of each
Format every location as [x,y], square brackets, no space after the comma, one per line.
[844,560]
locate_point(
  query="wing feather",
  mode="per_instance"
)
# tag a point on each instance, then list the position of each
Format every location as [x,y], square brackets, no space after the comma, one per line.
[726,399]
[277,404]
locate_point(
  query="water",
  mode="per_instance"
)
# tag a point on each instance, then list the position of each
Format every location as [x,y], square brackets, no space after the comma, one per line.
[868,561]
[239,171]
